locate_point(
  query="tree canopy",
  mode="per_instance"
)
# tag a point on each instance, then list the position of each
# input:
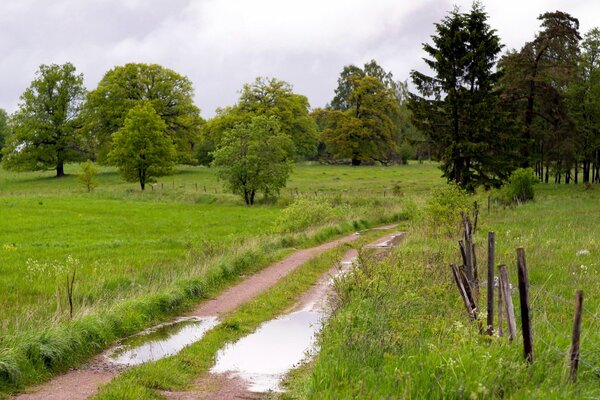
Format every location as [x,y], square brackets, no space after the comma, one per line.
[271,98]
[43,132]
[255,156]
[123,87]
[142,148]
[458,106]
[3,129]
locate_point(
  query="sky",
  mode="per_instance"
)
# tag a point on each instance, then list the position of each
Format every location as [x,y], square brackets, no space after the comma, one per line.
[222,44]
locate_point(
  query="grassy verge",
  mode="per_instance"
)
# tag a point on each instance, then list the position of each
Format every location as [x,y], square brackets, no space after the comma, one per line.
[402,331]
[180,371]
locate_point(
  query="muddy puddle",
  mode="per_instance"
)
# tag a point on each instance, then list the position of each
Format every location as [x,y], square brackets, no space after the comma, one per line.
[264,357]
[161,341]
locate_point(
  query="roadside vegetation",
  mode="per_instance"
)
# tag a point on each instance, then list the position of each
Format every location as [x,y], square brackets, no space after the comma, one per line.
[401,330]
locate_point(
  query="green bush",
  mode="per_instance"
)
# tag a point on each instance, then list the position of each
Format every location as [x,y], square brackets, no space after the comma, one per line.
[305,212]
[444,207]
[520,186]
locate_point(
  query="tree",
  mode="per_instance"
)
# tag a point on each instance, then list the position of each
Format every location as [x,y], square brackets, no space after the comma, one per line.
[142,148]
[365,131]
[255,156]
[43,131]
[123,87]
[458,108]
[87,177]
[3,129]
[267,97]
[534,83]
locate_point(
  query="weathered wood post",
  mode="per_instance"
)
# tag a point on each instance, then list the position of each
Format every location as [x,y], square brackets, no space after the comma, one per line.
[500,332]
[509,308]
[463,293]
[524,300]
[574,354]
[490,282]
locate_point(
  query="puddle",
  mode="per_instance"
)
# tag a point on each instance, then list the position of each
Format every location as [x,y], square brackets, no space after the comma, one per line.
[264,357]
[161,341]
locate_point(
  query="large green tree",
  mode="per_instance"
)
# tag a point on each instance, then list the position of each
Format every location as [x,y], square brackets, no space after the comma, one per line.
[123,87]
[271,98]
[365,131]
[458,105]
[255,156]
[534,85]
[142,148]
[43,132]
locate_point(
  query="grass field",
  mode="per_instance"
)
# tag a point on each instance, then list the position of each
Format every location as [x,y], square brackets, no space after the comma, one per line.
[403,332]
[140,257]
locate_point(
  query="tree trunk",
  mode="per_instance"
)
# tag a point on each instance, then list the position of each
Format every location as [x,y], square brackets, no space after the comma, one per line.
[355,162]
[60,169]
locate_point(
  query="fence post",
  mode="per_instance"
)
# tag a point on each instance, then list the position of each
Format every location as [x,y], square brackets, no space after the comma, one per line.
[463,292]
[489,203]
[574,354]
[500,332]
[510,311]
[524,300]
[490,282]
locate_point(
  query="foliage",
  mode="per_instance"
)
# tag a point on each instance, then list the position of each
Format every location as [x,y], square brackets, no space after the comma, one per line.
[364,132]
[4,129]
[255,157]
[271,98]
[520,186]
[444,208]
[534,86]
[306,212]
[141,149]
[43,131]
[87,177]
[123,87]
[458,108]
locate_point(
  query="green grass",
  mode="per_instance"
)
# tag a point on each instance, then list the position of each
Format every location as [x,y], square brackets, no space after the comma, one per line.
[402,331]
[142,257]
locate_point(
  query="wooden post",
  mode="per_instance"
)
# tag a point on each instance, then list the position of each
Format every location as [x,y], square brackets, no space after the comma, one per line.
[196,184]
[524,300]
[489,203]
[574,354]
[490,282]
[161,186]
[204,187]
[475,271]
[462,292]
[475,219]
[466,260]
[500,332]
[509,308]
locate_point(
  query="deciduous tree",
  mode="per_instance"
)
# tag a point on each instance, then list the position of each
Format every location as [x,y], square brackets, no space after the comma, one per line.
[255,156]
[123,87]
[43,132]
[142,148]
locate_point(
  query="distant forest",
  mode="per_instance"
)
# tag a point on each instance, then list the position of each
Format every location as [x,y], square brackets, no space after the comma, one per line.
[481,110]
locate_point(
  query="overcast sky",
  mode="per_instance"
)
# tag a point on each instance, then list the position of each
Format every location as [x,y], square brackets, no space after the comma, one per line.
[222,44]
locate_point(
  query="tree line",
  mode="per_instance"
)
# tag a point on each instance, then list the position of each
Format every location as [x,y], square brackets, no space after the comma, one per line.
[481,113]
[536,107]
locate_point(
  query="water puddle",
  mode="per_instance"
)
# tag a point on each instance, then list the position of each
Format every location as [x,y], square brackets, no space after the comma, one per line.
[161,341]
[265,356]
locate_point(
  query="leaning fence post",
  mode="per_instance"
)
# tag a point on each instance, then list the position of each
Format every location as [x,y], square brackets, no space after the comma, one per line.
[490,283]
[574,354]
[463,293]
[500,332]
[510,311]
[524,300]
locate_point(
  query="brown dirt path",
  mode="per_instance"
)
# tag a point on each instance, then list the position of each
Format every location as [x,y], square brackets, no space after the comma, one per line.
[84,382]
[226,386]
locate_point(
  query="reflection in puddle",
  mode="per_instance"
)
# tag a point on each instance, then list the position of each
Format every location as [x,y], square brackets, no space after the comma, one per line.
[263,357]
[162,341]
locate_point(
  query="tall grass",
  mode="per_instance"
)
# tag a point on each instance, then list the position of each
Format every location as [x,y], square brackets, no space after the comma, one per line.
[402,331]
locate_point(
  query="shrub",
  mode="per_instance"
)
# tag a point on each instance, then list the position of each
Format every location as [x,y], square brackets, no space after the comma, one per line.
[444,207]
[305,212]
[520,185]
[88,175]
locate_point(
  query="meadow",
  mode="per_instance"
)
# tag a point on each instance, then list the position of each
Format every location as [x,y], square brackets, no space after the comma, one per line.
[140,257]
[403,332]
